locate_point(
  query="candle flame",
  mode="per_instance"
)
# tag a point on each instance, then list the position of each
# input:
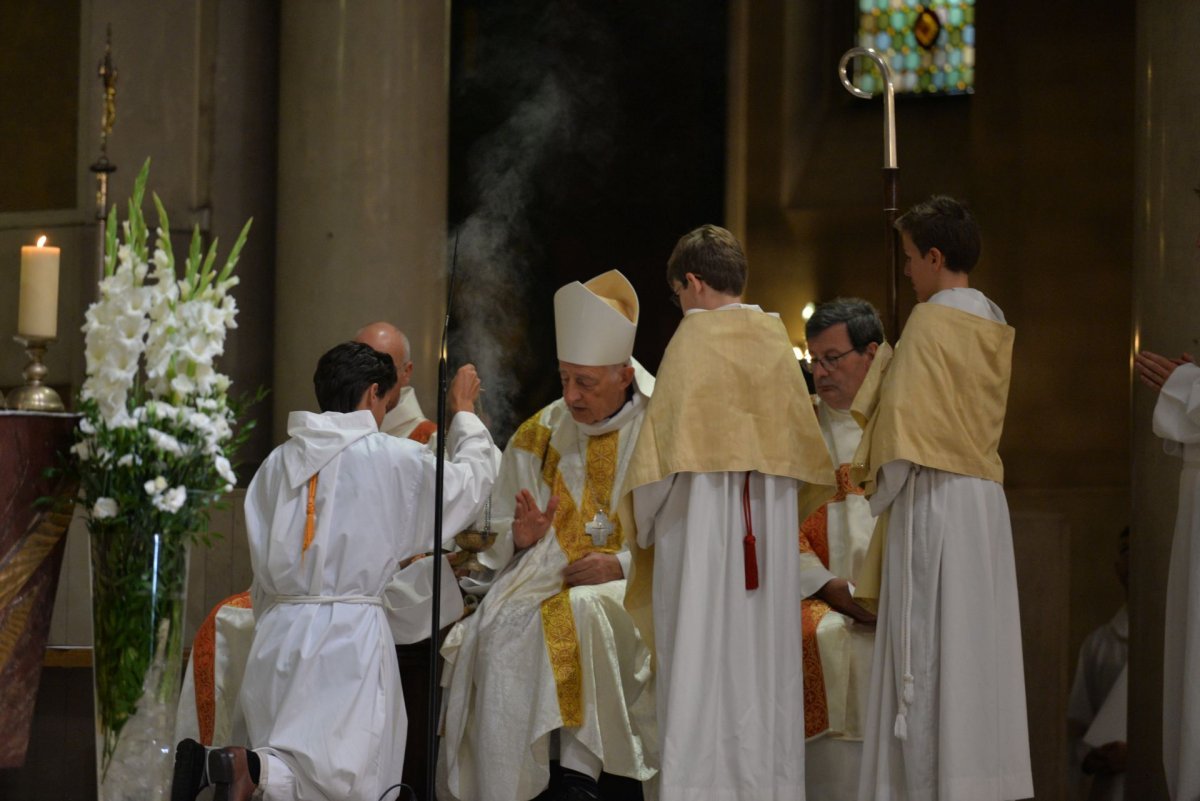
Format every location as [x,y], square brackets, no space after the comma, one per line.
[41,241]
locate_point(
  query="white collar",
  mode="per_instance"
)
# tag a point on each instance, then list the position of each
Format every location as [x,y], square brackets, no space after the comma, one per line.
[726,307]
[408,410]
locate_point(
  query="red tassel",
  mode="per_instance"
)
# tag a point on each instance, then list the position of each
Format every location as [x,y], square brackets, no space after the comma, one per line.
[751,557]
[749,554]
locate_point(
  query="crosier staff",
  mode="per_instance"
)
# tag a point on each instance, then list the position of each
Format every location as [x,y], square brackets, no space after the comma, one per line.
[891,174]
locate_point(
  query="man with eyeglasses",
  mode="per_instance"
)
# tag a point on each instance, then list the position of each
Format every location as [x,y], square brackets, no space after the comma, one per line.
[728,461]
[843,336]
[946,714]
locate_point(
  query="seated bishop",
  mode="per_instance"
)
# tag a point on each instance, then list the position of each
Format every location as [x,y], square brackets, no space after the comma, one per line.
[551,664]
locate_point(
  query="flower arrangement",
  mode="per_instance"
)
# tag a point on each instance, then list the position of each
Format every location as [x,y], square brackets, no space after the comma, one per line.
[153,456]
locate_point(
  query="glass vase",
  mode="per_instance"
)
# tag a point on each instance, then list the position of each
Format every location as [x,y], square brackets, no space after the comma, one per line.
[139,593]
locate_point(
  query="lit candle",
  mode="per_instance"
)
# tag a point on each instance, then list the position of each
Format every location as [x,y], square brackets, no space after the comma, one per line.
[38,315]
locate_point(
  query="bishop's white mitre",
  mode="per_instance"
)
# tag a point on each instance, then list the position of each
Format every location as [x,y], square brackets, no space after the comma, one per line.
[595,323]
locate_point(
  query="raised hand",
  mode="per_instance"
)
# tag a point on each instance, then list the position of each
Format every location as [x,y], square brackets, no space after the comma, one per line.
[530,523]
[464,390]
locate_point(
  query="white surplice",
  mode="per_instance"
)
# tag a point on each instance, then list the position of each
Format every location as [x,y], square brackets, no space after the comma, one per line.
[832,759]
[728,681]
[1177,421]
[729,687]
[967,735]
[321,693]
[501,700]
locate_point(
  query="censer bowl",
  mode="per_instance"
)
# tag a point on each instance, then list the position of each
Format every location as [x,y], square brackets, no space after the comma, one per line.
[474,542]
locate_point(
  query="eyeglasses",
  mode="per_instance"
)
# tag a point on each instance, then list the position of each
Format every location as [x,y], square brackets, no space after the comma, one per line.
[674,296]
[830,363]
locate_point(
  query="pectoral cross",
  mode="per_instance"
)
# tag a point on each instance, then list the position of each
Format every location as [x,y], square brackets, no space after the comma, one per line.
[599,528]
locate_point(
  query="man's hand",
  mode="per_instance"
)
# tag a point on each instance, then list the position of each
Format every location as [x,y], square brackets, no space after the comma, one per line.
[836,593]
[1153,370]
[593,568]
[1106,760]
[464,390]
[530,523]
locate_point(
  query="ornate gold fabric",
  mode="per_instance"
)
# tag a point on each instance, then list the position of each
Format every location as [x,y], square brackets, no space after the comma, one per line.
[562,646]
[532,436]
[938,400]
[816,703]
[558,621]
[713,410]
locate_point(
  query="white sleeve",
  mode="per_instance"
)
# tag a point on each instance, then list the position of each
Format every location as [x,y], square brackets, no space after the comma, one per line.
[813,574]
[470,471]
[408,600]
[1177,413]
[647,500]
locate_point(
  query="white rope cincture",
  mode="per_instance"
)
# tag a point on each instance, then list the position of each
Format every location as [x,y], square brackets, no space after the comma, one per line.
[371,600]
[907,681]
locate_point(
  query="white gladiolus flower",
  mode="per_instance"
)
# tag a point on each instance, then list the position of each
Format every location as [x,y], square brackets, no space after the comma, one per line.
[151,339]
[165,442]
[104,508]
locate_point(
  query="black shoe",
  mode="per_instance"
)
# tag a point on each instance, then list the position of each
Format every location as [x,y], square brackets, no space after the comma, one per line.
[578,786]
[190,774]
[581,793]
[229,772]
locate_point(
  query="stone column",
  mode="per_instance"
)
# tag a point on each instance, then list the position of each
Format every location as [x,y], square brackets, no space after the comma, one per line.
[363,126]
[1165,319]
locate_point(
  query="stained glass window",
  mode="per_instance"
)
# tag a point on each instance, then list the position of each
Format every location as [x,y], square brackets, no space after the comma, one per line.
[930,45]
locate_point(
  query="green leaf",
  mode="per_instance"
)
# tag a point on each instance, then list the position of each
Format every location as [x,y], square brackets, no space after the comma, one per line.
[110,242]
[206,274]
[235,253]
[193,262]
[164,236]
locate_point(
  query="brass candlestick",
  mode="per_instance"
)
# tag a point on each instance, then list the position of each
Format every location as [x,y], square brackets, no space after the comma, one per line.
[35,396]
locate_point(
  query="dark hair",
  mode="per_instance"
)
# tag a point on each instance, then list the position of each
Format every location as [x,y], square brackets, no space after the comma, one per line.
[943,223]
[711,253]
[346,371]
[862,321]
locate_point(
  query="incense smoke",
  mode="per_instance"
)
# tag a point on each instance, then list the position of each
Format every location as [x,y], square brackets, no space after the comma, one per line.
[547,74]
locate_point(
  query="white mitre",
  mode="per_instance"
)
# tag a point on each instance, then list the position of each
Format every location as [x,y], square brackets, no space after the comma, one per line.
[595,323]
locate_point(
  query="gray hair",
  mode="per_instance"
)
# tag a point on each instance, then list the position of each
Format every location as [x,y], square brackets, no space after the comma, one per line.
[862,321]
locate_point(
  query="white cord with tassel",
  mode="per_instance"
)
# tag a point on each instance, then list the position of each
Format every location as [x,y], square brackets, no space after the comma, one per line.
[907,681]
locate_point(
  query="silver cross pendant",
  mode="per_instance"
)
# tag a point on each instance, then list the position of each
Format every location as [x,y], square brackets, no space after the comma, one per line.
[599,528]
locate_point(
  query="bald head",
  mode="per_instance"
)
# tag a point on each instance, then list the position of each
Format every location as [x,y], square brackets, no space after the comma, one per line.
[387,338]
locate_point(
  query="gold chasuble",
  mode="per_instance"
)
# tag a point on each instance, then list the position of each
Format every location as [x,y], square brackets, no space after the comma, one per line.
[714,412]
[938,401]
[558,621]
